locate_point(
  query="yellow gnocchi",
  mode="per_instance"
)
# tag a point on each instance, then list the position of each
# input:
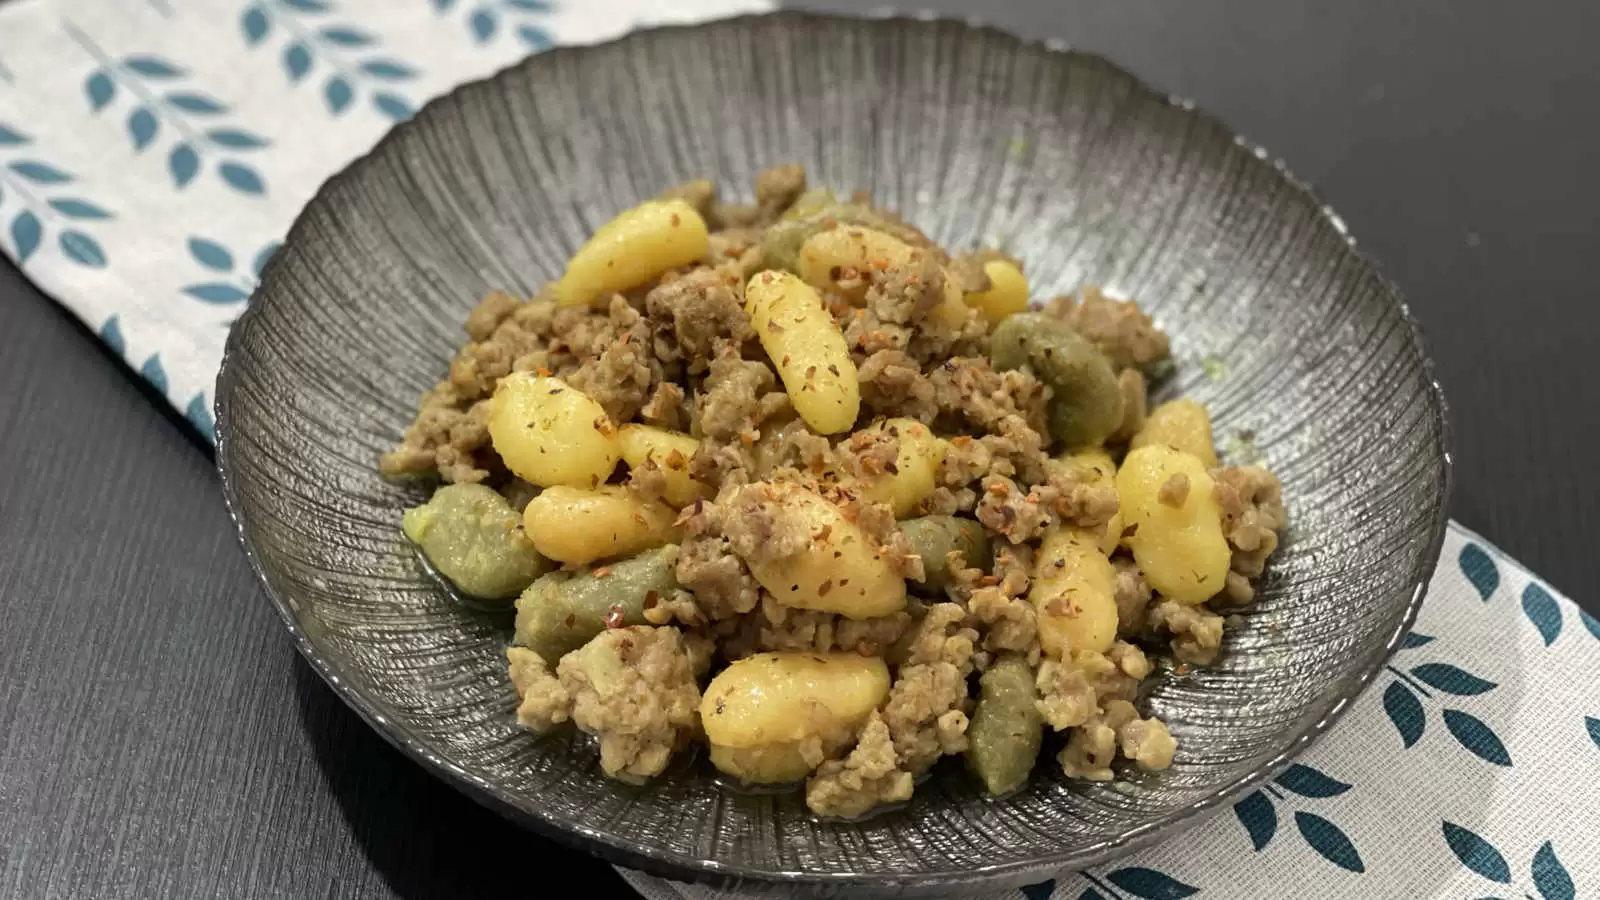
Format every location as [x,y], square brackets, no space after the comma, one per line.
[807,348]
[770,717]
[671,451]
[839,570]
[633,248]
[916,467]
[1007,293]
[1105,475]
[550,433]
[1182,424]
[1074,594]
[578,526]
[1170,505]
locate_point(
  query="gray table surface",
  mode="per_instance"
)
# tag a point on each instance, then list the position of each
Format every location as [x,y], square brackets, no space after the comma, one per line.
[159,737]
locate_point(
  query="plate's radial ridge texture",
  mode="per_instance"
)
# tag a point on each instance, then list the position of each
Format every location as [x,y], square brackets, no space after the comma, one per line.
[1304,353]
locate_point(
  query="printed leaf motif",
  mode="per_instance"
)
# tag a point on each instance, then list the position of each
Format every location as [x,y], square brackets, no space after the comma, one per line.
[1543,611]
[1259,819]
[236,138]
[242,178]
[216,292]
[40,173]
[345,36]
[1550,876]
[199,104]
[152,67]
[1088,894]
[1328,840]
[1471,733]
[388,69]
[211,254]
[484,24]
[1591,623]
[1593,725]
[442,6]
[111,336]
[154,373]
[183,163]
[100,89]
[1413,640]
[25,234]
[73,208]
[530,5]
[1452,680]
[534,37]
[199,415]
[142,127]
[296,61]
[262,257]
[1480,570]
[1150,884]
[254,24]
[10,137]
[82,249]
[1040,891]
[1476,853]
[1308,782]
[1405,711]
[312,6]
[338,94]
[393,106]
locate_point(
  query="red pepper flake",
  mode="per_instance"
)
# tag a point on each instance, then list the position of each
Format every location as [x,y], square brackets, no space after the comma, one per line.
[892,468]
[1131,530]
[571,620]
[602,572]
[614,617]
[811,371]
[833,368]
[766,277]
[541,371]
[824,588]
[675,220]
[651,598]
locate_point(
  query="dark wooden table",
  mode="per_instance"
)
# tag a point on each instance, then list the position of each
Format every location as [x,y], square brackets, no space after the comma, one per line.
[159,737]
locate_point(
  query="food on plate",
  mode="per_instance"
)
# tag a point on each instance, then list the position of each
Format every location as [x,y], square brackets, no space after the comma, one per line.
[793,481]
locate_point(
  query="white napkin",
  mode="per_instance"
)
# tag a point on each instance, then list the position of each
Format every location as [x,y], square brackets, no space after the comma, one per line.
[152,153]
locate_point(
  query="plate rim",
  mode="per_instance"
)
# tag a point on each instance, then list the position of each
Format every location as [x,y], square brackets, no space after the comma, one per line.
[618,849]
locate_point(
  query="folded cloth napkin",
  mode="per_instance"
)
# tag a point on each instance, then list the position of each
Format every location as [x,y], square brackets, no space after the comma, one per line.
[152,152]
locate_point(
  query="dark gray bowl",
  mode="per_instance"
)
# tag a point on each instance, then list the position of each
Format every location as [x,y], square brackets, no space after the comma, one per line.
[1280,325]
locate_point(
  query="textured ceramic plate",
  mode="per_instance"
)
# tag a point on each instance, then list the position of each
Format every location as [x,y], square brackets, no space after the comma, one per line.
[1304,353]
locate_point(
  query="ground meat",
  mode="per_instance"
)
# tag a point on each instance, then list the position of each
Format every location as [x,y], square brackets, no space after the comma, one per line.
[925,713]
[759,527]
[494,308]
[1236,591]
[707,566]
[1252,512]
[1066,696]
[892,384]
[634,688]
[698,194]
[678,607]
[780,627]
[870,455]
[1148,743]
[666,408]
[1133,595]
[870,776]
[941,635]
[1008,510]
[623,377]
[777,188]
[648,480]
[1118,328]
[1196,631]
[1174,491]
[966,269]
[1090,750]
[730,405]
[1093,746]
[969,389]
[1119,676]
[1007,622]
[699,315]
[542,702]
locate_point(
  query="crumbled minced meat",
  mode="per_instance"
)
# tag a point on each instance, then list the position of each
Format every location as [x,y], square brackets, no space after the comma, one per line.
[1174,491]
[1252,513]
[542,702]
[892,384]
[1093,746]
[1135,403]
[1133,595]
[1007,622]
[639,697]
[1119,328]
[1066,696]
[926,713]
[869,776]
[1196,631]
[708,567]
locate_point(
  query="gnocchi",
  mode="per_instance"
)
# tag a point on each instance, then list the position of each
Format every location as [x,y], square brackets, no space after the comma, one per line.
[1105,471]
[632,249]
[834,568]
[577,526]
[1074,594]
[1182,424]
[915,470]
[1007,294]
[550,433]
[671,451]
[761,713]
[807,349]
[1170,504]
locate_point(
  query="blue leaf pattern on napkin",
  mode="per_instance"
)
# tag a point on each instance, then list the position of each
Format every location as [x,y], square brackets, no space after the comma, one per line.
[1550,876]
[1405,711]
[142,127]
[111,334]
[1040,891]
[1329,841]
[211,254]
[1477,737]
[1148,884]
[1259,818]
[339,47]
[1542,611]
[1479,569]
[82,249]
[1593,726]
[1308,782]
[198,412]
[1451,679]
[25,234]
[154,373]
[1476,853]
